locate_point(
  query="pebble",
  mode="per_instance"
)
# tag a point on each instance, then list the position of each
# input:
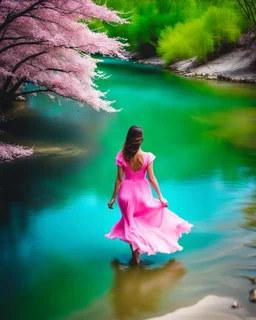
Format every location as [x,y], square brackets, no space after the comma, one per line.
[235,304]
[252,296]
[20,98]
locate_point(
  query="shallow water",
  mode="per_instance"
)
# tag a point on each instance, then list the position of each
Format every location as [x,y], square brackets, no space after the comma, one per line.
[54,260]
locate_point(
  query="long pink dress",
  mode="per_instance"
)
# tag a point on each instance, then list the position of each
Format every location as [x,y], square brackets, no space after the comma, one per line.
[145,223]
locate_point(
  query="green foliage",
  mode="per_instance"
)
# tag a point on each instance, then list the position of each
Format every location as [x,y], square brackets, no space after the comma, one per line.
[200,37]
[185,41]
[147,28]
[175,29]
[147,19]
[223,24]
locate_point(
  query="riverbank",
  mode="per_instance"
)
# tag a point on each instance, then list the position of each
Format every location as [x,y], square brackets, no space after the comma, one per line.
[212,307]
[239,65]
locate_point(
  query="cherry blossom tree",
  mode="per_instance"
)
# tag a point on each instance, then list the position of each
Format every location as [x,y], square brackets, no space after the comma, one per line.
[10,152]
[43,42]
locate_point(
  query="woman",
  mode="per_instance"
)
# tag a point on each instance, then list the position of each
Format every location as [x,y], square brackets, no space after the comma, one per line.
[146,223]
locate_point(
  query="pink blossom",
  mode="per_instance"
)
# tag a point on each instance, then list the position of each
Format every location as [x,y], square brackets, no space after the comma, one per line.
[42,42]
[10,152]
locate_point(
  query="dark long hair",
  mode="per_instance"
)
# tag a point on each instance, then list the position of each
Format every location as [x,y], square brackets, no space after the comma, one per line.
[132,143]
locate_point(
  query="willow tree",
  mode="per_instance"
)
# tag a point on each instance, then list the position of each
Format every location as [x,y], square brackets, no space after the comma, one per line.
[43,42]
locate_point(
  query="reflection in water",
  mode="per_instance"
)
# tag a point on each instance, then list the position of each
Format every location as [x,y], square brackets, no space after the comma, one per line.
[247,270]
[61,287]
[249,210]
[235,126]
[137,290]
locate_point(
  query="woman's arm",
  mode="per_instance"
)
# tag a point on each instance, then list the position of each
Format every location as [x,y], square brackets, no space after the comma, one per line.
[154,183]
[119,179]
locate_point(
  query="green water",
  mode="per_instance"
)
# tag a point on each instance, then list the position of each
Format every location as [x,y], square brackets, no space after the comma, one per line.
[54,260]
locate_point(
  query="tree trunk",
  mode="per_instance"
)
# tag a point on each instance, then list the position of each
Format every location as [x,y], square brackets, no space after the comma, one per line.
[6,101]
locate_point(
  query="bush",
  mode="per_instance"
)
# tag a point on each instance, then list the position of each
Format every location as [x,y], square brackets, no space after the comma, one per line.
[223,24]
[200,37]
[185,41]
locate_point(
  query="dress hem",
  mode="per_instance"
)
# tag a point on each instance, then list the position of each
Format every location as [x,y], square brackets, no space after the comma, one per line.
[182,228]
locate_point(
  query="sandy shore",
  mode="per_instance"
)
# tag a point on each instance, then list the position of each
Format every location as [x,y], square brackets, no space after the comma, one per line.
[210,308]
[239,65]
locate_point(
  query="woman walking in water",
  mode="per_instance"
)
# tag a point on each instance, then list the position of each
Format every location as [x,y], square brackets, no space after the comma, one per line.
[146,223]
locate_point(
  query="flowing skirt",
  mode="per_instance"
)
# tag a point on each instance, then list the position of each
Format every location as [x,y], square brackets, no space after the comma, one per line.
[146,224]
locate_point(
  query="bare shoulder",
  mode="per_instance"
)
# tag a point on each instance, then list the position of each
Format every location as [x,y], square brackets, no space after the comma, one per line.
[139,157]
[144,154]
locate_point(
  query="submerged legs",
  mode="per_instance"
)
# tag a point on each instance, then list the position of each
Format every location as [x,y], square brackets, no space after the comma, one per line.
[135,255]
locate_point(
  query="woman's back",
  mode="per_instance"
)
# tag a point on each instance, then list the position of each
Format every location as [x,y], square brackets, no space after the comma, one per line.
[139,169]
[136,163]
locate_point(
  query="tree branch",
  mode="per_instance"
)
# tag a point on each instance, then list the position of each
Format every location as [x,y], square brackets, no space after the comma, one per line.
[31,91]
[22,44]
[46,20]
[12,91]
[248,9]
[58,70]
[10,18]
[13,38]
[8,80]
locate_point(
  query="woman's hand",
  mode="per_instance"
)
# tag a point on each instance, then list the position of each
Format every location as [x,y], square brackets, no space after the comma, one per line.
[110,204]
[164,201]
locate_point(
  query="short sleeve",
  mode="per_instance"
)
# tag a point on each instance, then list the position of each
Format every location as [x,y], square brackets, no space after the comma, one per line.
[151,157]
[119,159]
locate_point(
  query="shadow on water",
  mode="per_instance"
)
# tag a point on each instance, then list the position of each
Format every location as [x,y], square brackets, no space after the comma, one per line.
[137,290]
[65,141]
[59,288]
[64,147]
[23,195]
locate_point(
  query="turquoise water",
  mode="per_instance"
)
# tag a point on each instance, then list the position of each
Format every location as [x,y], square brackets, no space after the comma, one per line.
[54,260]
